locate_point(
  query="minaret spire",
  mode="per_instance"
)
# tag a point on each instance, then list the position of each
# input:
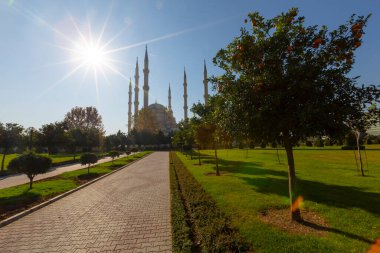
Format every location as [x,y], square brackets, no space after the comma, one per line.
[146,78]
[170,101]
[205,83]
[185,94]
[137,89]
[130,106]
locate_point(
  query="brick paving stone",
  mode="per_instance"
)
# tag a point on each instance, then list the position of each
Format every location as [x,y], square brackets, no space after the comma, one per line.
[128,211]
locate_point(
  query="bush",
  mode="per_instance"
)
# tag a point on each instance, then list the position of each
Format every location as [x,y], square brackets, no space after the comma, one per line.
[128,152]
[88,158]
[212,228]
[308,144]
[30,164]
[318,143]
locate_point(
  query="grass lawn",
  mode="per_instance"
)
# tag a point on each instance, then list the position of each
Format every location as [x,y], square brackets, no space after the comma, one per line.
[15,199]
[328,181]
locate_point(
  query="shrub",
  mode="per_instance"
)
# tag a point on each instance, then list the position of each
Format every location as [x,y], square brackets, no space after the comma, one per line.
[308,144]
[30,164]
[318,143]
[88,158]
[212,228]
[114,154]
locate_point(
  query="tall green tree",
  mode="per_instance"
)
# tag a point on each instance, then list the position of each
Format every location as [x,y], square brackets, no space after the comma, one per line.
[52,136]
[10,137]
[284,81]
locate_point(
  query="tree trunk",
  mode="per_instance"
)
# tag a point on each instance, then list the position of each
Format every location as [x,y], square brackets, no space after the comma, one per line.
[216,160]
[357,134]
[30,183]
[278,157]
[3,161]
[199,156]
[295,212]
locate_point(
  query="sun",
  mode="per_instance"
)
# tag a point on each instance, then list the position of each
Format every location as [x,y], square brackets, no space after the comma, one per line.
[91,55]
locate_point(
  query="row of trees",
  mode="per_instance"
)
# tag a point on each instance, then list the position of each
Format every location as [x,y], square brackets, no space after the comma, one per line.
[283,82]
[80,130]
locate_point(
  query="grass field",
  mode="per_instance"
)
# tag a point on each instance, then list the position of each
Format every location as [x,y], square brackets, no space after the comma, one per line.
[328,181]
[17,198]
[55,158]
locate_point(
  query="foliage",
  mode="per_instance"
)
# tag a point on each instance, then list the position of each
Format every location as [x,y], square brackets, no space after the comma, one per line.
[113,154]
[180,229]
[88,158]
[84,118]
[212,228]
[184,137]
[52,136]
[284,81]
[10,136]
[146,121]
[31,165]
[116,141]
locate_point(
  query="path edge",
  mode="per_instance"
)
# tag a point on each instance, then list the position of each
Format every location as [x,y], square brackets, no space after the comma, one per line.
[52,200]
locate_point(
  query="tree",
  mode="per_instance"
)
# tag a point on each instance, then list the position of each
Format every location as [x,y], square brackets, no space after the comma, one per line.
[206,131]
[146,121]
[84,118]
[285,81]
[74,139]
[30,164]
[89,122]
[10,136]
[52,136]
[113,154]
[88,158]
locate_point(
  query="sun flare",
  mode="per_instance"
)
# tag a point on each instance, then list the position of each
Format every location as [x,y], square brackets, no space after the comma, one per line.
[92,55]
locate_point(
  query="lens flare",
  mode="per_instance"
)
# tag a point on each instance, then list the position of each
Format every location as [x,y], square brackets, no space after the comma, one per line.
[375,248]
[297,204]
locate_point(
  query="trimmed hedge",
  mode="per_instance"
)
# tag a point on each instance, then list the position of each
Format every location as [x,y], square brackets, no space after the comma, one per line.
[212,229]
[180,229]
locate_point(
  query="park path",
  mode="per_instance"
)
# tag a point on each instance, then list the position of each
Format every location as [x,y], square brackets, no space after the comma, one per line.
[128,211]
[18,179]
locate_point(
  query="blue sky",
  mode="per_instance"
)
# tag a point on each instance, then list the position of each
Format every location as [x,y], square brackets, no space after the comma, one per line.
[34,33]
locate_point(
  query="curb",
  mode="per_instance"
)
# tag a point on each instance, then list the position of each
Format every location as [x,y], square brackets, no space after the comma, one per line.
[52,200]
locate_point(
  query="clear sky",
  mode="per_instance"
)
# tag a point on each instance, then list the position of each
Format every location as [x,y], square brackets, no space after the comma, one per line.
[39,40]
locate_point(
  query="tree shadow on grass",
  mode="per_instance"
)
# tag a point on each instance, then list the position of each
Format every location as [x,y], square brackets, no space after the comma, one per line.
[22,200]
[328,194]
[336,231]
[88,176]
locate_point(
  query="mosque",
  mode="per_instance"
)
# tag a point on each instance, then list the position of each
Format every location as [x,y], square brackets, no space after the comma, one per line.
[156,117]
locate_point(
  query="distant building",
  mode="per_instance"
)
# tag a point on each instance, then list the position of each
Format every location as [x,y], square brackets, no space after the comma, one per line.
[155,117]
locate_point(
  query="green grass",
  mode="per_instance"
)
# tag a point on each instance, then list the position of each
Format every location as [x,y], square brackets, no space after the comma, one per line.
[17,198]
[56,158]
[328,181]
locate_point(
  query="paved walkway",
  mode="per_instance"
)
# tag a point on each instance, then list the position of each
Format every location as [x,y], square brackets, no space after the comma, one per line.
[18,179]
[128,211]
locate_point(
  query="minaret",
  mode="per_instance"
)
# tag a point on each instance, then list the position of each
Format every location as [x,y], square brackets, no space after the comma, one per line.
[170,101]
[205,83]
[185,95]
[130,106]
[146,78]
[137,89]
